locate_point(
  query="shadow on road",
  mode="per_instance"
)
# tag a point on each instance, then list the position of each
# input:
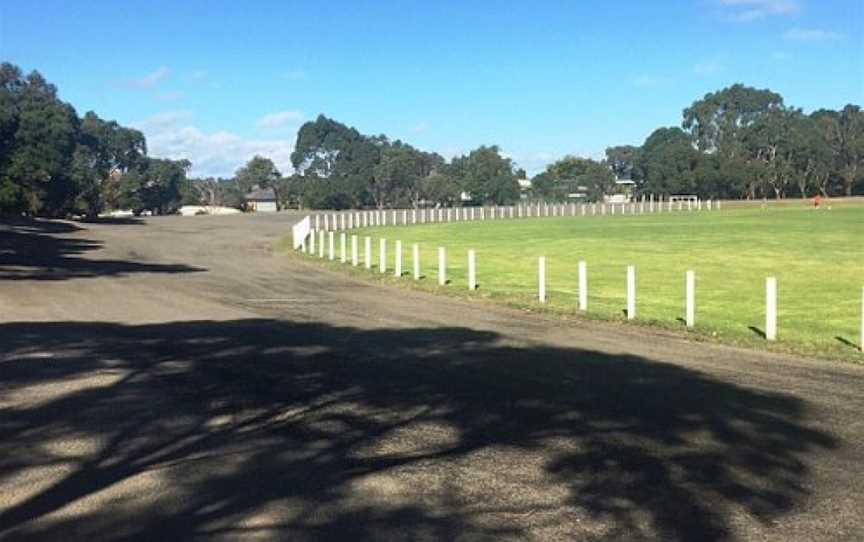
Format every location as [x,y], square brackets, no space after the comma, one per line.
[237,418]
[43,250]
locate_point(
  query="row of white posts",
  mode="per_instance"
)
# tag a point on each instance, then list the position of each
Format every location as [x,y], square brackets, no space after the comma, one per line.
[582,300]
[689,297]
[347,220]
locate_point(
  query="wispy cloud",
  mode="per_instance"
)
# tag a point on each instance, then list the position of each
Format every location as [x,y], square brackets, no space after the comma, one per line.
[648,81]
[151,79]
[710,66]
[170,96]
[745,11]
[294,75]
[199,75]
[172,134]
[811,34]
[280,119]
[164,119]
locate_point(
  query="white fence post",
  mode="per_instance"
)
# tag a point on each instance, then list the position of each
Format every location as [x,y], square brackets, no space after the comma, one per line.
[299,233]
[342,246]
[583,286]
[771,308]
[442,267]
[331,245]
[541,279]
[397,264]
[415,260]
[382,255]
[472,271]
[354,258]
[690,308]
[321,244]
[312,238]
[367,249]
[631,292]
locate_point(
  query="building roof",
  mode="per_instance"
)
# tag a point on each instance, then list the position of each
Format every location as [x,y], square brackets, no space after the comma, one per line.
[261,194]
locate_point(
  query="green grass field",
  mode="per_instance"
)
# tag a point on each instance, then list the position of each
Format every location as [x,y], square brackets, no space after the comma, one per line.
[817,257]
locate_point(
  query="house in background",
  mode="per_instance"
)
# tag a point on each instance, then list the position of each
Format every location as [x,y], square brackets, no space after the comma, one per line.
[624,189]
[262,200]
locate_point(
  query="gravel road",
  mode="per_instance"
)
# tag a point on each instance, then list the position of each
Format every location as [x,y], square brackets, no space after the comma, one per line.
[173,379]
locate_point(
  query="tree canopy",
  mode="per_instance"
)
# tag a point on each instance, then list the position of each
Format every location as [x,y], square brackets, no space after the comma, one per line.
[738,142]
[54,163]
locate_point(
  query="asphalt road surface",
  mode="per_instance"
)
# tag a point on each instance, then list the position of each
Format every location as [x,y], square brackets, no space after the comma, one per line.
[172,379]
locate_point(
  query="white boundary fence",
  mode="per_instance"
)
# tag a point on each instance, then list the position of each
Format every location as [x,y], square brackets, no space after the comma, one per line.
[318,221]
[346,220]
[300,232]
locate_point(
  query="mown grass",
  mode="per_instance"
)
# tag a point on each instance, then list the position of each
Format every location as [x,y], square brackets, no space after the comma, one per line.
[817,257]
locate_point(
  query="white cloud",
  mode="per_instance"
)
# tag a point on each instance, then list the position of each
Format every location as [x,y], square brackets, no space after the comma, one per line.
[199,74]
[280,119]
[648,81]
[811,34]
[171,134]
[746,11]
[151,78]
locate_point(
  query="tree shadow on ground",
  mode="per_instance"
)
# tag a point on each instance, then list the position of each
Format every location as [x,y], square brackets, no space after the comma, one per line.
[306,432]
[114,220]
[44,250]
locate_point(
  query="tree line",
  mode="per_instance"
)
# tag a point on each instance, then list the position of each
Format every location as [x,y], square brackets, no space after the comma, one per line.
[337,167]
[55,163]
[739,142]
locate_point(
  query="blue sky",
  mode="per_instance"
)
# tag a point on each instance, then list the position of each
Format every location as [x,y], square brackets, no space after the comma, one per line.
[217,82]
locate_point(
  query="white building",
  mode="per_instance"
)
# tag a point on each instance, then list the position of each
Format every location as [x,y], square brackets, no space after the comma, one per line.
[262,200]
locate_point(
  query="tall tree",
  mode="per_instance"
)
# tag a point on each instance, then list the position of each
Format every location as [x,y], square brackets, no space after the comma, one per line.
[440,188]
[330,152]
[667,163]
[776,139]
[573,174]
[260,172]
[486,175]
[105,151]
[622,159]
[845,130]
[39,134]
[717,121]
[155,185]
